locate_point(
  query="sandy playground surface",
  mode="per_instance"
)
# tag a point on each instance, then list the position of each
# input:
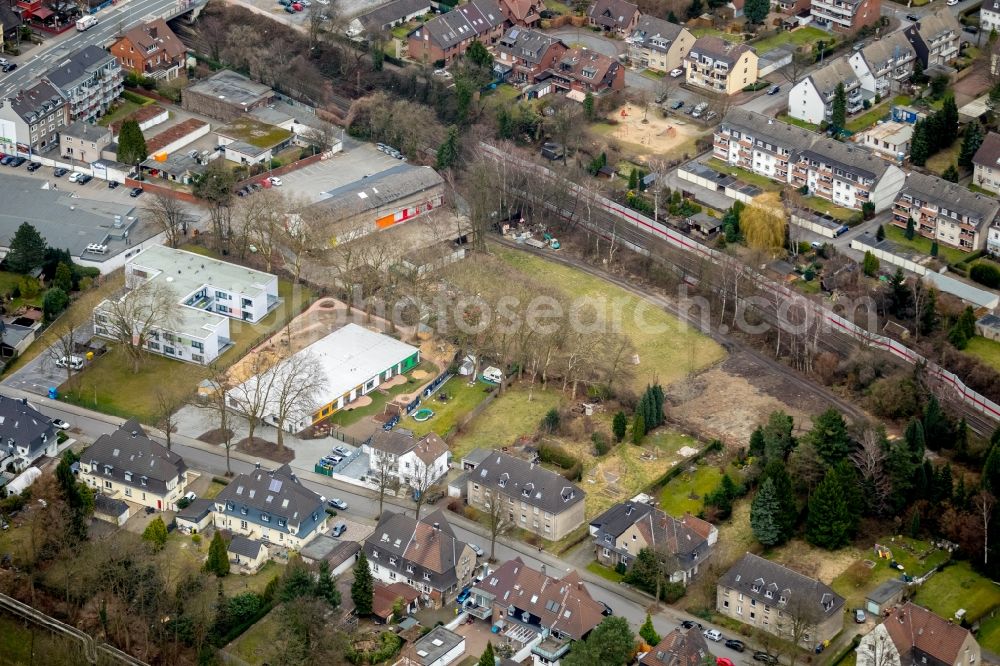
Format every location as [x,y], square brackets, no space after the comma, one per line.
[658,134]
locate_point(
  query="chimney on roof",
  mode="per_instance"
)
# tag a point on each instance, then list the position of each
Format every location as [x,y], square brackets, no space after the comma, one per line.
[257,465]
[24,401]
[437,527]
[543,569]
[134,434]
[152,32]
[579,584]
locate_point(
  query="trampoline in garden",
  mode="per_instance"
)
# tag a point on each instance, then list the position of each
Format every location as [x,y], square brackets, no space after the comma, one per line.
[423,414]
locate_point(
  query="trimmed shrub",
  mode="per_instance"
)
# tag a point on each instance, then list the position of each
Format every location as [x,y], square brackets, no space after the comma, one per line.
[555,455]
[986,274]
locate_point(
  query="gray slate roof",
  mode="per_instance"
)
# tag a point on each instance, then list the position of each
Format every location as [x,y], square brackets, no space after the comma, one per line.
[241,545]
[528,482]
[655,33]
[837,71]
[756,577]
[277,493]
[391,12]
[524,44]
[396,442]
[718,49]
[804,143]
[196,510]
[612,13]
[78,67]
[465,22]
[988,154]
[938,24]
[619,518]
[887,49]
[87,132]
[334,551]
[38,101]
[129,449]
[109,506]
[430,550]
[22,425]
[945,194]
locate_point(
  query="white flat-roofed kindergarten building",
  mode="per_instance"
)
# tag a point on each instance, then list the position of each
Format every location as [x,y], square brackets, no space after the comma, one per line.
[351,362]
[208,293]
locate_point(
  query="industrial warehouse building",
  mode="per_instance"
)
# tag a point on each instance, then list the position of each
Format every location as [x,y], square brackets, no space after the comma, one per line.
[377,202]
[352,362]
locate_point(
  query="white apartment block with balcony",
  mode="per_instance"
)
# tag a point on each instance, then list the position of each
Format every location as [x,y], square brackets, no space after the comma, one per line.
[885,65]
[90,79]
[945,212]
[843,174]
[845,15]
[721,66]
[206,292]
[935,38]
[993,239]
[989,16]
[31,120]
[811,99]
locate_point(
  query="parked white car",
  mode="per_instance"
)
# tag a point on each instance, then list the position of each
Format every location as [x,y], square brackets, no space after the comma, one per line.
[713,635]
[75,177]
[677,72]
[275,181]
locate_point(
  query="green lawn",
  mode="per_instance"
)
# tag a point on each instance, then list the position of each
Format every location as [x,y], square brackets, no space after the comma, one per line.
[869,117]
[8,281]
[806,35]
[987,351]
[559,8]
[858,580]
[253,646]
[944,158]
[381,398]
[502,95]
[401,31]
[686,492]
[604,572]
[24,643]
[668,350]
[763,182]
[652,74]
[957,587]
[462,399]
[256,133]
[110,386]
[514,414]
[703,31]
[989,633]
[922,245]
[124,109]
[975,188]
[833,210]
[785,118]
[213,490]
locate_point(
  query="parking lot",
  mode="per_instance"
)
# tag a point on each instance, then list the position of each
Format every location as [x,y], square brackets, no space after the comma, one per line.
[345,8]
[41,373]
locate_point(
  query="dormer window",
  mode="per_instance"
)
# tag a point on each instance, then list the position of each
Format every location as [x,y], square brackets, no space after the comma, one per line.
[768,594]
[266,518]
[427,576]
[229,506]
[392,561]
[128,476]
[243,510]
[755,587]
[143,480]
[281,522]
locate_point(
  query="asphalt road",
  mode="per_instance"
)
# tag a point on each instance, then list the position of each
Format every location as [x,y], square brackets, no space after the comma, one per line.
[110,24]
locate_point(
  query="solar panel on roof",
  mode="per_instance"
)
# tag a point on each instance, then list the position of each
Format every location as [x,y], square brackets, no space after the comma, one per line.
[275,486]
[514,33]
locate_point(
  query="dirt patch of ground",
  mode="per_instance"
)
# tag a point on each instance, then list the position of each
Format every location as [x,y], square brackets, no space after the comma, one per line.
[395,381]
[751,394]
[972,86]
[419,374]
[360,401]
[659,135]
[261,448]
[823,565]
[216,436]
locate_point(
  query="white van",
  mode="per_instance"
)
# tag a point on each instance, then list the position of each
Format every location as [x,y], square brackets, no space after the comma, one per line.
[74,362]
[493,375]
[86,23]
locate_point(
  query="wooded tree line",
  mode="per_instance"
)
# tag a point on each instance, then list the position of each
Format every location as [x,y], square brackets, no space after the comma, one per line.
[153,602]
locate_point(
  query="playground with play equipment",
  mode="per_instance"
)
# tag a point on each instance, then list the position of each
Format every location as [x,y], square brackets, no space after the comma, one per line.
[649,129]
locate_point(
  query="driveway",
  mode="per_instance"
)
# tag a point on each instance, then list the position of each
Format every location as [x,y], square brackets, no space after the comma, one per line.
[41,372]
[591,40]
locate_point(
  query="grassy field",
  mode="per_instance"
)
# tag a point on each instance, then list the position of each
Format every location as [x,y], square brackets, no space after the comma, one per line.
[922,245]
[213,490]
[8,281]
[703,31]
[502,95]
[989,633]
[806,35]
[868,118]
[944,158]
[512,415]
[252,646]
[604,572]
[686,492]
[985,350]
[109,384]
[462,399]
[381,398]
[256,133]
[833,210]
[785,118]
[26,643]
[763,182]
[956,587]
[668,350]
[859,580]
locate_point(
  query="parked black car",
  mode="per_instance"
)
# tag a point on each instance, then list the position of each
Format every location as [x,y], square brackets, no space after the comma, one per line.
[34,166]
[112,184]
[764,657]
[136,191]
[734,644]
[912,17]
[688,624]
[84,179]
[59,173]
[607,609]
[9,67]
[18,161]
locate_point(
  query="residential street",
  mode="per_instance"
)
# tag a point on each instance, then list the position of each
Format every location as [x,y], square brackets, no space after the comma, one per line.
[88,425]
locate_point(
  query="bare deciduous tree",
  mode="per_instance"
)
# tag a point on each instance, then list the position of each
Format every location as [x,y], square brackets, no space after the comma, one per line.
[217,402]
[869,458]
[137,318]
[800,618]
[168,409]
[252,397]
[385,477]
[984,503]
[497,521]
[168,214]
[293,392]
[65,330]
